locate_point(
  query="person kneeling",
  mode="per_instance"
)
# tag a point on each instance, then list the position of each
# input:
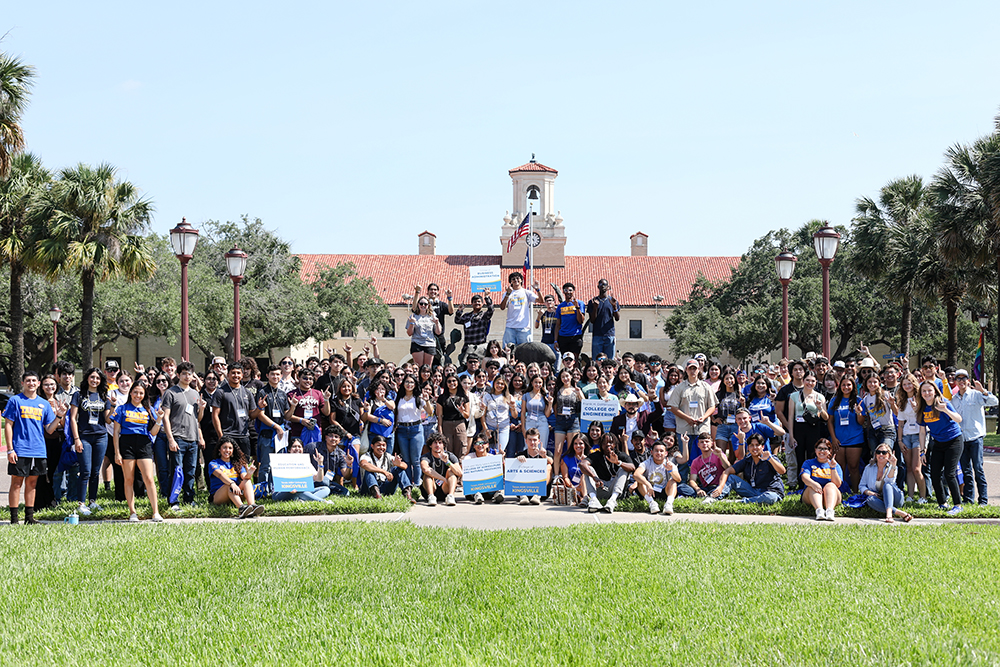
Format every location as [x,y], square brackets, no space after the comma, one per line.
[762,472]
[381,473]
[320,490]
[607,468]
[441,472]
[656,479]
[822,477]
[533,450]
[231,480]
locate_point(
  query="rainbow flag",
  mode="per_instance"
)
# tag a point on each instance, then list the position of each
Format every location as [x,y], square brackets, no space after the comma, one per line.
[977,365]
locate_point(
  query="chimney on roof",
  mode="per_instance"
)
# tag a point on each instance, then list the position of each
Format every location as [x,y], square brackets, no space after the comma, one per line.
[426,243]
[640,243]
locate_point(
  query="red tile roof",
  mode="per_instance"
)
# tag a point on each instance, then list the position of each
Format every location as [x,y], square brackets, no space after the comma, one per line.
[634,280]
[532,166]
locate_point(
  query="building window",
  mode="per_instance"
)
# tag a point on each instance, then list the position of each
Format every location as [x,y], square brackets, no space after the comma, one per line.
[635,328]
[348,333]
[390,329]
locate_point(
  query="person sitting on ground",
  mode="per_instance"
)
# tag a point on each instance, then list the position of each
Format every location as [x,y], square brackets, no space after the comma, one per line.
[382,473]
[706,470]
[606,473]
[338,463]
[481,447]
[878,485]
[231,480]
[533,450]
[657,479]
[320,489]
[571,474]
[441,472]
[822,477]
[745,427]
[762,476]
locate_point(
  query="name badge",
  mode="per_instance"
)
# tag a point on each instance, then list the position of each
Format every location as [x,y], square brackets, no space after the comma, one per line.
[800,419]
[731,419]
[307,413]
[844,419]
[567,411]
[189,409]
[876,423]
[95,418]
[275,413]
[692,405]
[548,330]
[657,487]
[468,324]
[241,413]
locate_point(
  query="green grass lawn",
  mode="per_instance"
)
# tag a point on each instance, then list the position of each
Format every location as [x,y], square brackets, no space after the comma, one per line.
[376,594]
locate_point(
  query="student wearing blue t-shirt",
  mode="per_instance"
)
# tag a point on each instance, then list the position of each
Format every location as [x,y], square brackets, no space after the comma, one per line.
[846,430]
[746,428]
[759,401]
[136,425]
[230,480]
[942,422]
[570,313]
[27,418]
[822,477]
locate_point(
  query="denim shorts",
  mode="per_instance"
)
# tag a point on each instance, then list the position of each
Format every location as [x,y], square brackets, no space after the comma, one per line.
[911,440]
[725,431]
[567,424]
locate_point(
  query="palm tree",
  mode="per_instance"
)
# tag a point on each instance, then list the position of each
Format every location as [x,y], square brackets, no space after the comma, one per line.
[23,184]
[15,82]
[95,226]
[967,202]
[890,237]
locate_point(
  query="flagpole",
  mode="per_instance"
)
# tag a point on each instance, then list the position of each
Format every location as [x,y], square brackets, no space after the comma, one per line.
[531,249]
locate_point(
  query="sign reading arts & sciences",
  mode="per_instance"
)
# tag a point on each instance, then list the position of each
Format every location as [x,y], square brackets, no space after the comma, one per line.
[482,474]
[596,410]
[524,479]
[292,472]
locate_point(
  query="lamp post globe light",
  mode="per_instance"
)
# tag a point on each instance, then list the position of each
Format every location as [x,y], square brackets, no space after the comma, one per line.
[184,238]
[54,314]
[784,264]
[236,265]
[825,240]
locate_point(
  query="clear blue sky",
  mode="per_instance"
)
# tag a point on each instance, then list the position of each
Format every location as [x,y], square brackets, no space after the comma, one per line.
[351,127]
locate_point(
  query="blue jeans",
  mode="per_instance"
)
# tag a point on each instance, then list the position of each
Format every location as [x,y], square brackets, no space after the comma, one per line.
[409,445]
[187,454]
[166,462]
[65,481]
[972,463]
[891,498]
[605,344]
[684,490]
[748,493]
[516,336]
[317,494]
[388,487]
[265,447]
[95,446]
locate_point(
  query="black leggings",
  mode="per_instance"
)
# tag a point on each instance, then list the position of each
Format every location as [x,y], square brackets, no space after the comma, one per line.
[944,459]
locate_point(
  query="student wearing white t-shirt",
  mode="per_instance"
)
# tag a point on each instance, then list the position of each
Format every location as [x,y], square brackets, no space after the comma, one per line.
[657,478]
[517,302]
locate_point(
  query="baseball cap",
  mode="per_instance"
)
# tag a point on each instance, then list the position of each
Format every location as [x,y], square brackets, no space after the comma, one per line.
[691,362]
[568,355]
[961,372]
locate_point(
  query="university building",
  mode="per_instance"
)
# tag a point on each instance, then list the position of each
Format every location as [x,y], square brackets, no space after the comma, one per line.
[648,287]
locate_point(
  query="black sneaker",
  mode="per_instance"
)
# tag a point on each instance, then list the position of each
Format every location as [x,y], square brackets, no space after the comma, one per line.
[257,510]
[245,511]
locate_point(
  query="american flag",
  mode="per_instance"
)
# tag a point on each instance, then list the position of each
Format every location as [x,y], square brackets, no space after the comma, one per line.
[522,230]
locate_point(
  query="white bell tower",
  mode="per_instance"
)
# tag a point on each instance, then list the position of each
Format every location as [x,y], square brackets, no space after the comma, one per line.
[534,189]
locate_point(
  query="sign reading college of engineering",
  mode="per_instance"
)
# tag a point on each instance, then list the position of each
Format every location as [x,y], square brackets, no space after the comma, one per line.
[482,474]
[596,410]
[292,472]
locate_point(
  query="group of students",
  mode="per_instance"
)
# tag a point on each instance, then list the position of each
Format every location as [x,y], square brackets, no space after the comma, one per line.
[701,430]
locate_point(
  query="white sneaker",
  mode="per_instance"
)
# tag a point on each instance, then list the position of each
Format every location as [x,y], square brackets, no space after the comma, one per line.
[478,499]
[653,507]
[432,500]
[830,516]
[94,506]
[522,500]
[668,507]
[922,501]
[157,518]
[133,518]
[536,500]
[821,514]
[709,500]
[82,510]
[594,505]
[609,507]
[176,507]
[449,500]
[909,499]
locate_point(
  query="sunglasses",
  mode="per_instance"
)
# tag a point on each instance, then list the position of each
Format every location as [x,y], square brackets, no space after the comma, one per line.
[882,452]
[287,363]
